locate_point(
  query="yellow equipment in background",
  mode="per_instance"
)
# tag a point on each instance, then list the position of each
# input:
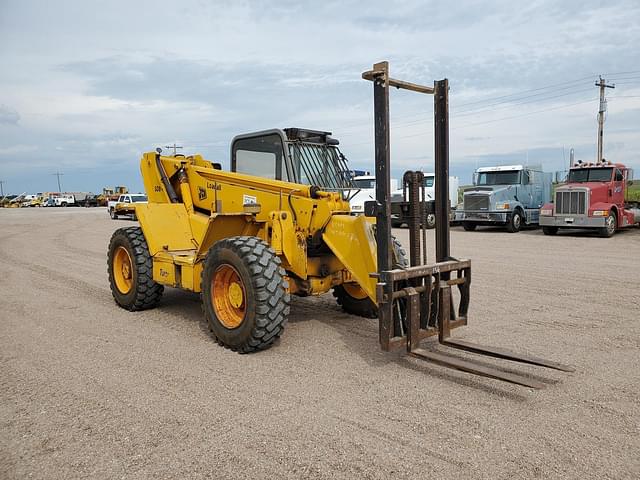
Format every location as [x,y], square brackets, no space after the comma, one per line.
[247,242]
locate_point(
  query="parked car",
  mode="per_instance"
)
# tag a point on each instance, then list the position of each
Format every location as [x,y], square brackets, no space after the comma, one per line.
[125,205]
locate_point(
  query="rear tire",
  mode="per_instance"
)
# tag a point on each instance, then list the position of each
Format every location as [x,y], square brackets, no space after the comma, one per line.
[515,222]
[611,223]
[354,300]
[130,270]
[468,226]
[549,230]
[244,294]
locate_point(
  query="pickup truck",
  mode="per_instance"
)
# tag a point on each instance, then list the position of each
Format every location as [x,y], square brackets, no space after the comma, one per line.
[60,201]
[125,205]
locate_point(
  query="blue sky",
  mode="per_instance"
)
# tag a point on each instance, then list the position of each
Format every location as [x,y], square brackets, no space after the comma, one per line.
[86,87]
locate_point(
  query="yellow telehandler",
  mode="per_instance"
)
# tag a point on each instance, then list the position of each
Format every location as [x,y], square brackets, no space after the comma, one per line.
[279,224]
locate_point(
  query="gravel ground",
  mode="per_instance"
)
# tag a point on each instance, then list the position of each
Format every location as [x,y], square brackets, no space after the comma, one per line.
[88,390]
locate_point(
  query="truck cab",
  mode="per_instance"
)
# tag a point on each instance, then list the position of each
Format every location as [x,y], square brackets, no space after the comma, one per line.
[593,197]
[365,186]
[509,196]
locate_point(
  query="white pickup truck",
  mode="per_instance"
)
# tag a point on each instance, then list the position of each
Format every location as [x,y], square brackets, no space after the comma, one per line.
[60,201]
[125,205]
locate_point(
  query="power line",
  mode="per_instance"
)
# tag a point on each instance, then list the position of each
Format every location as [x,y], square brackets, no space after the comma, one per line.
[478,111]
[496,119]
[454,115]
[505,98]
[578,80]
[620,73]
[628,83]
[502,104]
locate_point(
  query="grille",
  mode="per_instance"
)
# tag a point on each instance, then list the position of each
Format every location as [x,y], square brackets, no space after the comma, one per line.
[573,202]
[476,202]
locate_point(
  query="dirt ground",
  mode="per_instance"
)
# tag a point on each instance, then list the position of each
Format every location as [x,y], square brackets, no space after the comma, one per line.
[88,390]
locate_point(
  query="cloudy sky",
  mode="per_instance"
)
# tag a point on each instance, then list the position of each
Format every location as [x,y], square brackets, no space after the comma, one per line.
[87,86]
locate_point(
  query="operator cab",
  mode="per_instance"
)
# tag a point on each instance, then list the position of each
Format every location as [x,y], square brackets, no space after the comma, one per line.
[295,155]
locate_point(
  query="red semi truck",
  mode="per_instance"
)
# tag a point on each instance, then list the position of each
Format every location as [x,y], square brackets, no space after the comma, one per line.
[593,197]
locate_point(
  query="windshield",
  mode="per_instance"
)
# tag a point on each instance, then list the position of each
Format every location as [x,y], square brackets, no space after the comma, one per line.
[428,181]
[365,183]
[138,198]
[508,177]
[321,165]
[590,175]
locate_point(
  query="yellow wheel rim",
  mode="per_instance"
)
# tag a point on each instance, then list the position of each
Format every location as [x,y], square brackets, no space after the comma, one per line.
[354,290]
[228,296]
[123,270]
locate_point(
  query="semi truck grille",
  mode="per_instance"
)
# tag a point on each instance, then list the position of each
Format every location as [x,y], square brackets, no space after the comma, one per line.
[476,202]
[573,202]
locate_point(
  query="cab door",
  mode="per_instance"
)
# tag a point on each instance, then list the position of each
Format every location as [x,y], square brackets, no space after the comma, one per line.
[617,191]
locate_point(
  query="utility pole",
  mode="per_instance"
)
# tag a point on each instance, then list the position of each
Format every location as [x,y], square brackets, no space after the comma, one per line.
[58,174]
[603,108]
[175,148]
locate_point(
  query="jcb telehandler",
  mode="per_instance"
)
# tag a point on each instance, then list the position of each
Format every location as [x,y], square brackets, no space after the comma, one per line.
[279,224]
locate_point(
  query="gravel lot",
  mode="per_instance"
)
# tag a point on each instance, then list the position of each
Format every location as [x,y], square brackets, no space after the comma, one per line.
[88,390]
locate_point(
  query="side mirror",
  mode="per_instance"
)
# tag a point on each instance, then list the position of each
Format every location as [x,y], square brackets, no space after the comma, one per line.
[475,178]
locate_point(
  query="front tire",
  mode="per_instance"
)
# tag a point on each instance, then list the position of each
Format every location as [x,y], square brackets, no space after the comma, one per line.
[515,222]
[353,299]
[468,226]
[610,226]
[244,294]
[549,230]
[130,270]
[112,214]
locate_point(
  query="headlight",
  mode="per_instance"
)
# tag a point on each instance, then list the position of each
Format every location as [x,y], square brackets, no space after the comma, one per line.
[502,206]
[600,213]
[546,211]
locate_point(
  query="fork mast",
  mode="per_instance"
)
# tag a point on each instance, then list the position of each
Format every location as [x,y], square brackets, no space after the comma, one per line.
[416,302]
